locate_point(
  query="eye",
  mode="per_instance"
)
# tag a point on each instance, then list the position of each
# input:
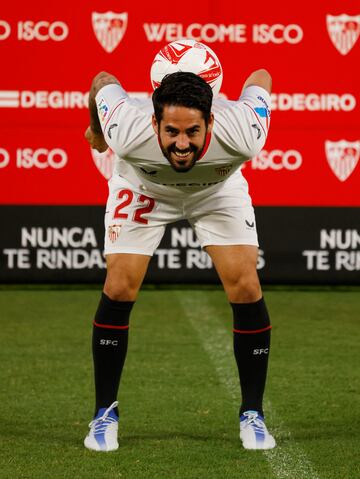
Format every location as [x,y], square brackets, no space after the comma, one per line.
[193,132]
[171,131]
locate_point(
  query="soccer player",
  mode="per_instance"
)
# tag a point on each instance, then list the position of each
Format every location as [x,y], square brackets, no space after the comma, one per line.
[179,156]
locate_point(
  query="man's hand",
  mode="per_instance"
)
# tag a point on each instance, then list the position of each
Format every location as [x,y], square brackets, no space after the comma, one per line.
[96,140]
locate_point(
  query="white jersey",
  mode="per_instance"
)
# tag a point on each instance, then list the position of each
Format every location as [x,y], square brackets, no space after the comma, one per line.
[239,133]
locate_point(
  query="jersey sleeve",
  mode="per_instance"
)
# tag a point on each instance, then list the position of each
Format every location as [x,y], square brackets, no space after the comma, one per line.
[244,124]
[125,122]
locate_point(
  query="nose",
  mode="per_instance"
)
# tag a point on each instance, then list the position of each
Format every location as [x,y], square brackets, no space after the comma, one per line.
[182,142]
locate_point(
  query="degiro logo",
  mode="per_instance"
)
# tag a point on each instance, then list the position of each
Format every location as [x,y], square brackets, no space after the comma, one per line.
[43,99]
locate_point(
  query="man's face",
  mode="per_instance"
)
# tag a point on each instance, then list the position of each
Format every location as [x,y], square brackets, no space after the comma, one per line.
[182,133]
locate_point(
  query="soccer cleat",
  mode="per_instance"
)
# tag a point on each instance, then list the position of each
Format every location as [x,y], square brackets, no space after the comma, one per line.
[103,430]
[253,432]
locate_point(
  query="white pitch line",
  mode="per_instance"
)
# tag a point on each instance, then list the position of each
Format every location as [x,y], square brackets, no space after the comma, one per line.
[286,462]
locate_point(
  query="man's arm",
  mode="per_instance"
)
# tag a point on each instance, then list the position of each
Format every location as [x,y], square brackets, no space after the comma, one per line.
[94,134]
[260,78]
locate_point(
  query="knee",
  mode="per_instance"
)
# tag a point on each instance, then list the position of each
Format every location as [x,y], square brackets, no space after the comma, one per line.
[245,289]
[120,289]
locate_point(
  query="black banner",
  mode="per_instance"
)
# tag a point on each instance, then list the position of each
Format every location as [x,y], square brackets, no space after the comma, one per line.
[63,244]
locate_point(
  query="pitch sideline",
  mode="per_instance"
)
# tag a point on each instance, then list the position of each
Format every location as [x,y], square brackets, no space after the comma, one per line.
[286,462]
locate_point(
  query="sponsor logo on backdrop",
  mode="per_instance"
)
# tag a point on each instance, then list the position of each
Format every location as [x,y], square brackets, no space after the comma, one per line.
[77,100]
[43,99]
[276,160]
[40,158]
[232,33]
[109,28]
[342,157]
[312,102]
[5,30]
[185,252]
[42,30]
[104,162]
[338,250]
[344,31]
[4,158]
[46,248]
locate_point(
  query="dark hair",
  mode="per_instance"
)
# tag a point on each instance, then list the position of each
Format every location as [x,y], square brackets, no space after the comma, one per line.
[183,89]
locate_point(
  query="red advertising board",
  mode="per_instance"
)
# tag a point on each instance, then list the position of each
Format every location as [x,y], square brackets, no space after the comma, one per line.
[51,52]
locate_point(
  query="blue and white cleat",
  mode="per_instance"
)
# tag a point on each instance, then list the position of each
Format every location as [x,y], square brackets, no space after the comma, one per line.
[103,430]
[253,432]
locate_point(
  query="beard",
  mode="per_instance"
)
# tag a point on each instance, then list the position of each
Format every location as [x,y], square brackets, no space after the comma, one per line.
[180,167]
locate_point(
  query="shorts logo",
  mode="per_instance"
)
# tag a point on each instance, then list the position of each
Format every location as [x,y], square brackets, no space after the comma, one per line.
[104,162]
[344,31]
[249,224]
[223,170]
[342,157]
[114,232]
[109,28]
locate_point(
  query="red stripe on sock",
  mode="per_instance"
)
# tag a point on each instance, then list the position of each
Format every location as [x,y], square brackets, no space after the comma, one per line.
[252,332]
[109,326]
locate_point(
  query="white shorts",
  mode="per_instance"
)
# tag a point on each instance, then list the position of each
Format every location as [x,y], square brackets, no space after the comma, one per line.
[135,218]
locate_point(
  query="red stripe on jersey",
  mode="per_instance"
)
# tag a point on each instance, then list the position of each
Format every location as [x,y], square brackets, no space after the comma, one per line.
[252,332]
[267,126]
[206,146]
[111,114]
[109,326]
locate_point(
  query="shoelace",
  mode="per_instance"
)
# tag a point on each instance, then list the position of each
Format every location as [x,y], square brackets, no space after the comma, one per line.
[101,423]
[252,419]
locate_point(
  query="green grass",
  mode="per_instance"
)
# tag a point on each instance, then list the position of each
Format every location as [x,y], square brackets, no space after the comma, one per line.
[179,393]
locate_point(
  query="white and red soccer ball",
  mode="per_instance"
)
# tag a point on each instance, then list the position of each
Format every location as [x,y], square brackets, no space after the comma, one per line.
[189,56]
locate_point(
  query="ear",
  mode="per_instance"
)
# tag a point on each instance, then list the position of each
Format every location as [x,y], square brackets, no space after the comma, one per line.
[155,124]
[210,123]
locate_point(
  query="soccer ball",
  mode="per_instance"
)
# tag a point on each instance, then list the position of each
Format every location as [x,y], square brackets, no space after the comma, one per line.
[187,55]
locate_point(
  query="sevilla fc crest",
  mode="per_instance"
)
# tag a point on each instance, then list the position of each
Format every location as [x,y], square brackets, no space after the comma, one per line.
[114,232]
[342,157]
[104,162]
[109,28]
[344,31]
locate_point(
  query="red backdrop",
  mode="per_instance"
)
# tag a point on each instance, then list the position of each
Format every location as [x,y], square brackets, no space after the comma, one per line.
[51,52]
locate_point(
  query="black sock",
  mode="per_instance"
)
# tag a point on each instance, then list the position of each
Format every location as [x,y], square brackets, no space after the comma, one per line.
[251,349]
[109,345]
